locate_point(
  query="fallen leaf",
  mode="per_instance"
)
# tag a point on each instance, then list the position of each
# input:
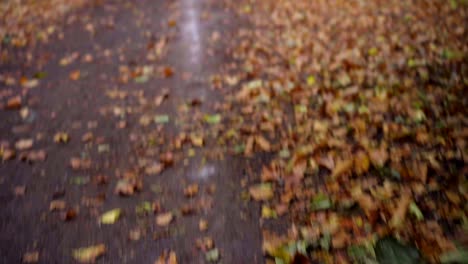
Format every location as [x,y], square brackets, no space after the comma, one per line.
[378,157]
[267,212]
[161,119]
[14,103]
[57,205]
[361,163]
[212,255]
[31,257]
[321,202]
[24,144]
[263,143]
[110,217]
[166,258]
[399,215]
[154,168]
[70,214]
[89,254]
[212,119]
[203,225]
[134,234]
[389,251]
[191,190]
[126,187]
[261,192]
[75,75]
[164,219]
[61,137]
[341,168]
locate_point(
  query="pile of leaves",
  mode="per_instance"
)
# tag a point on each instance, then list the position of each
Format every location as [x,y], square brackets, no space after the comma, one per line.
[362,107]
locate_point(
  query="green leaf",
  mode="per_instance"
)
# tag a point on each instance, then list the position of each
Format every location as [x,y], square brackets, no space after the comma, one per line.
[414,210]
[212,119]
[459,256]
[321,202]
[111,216]
[161,119]
[40,75]
[212,255]
[144,207]
[325,242]
[79,180]
[141,79]
[362,254]
[390,251]
[284,154]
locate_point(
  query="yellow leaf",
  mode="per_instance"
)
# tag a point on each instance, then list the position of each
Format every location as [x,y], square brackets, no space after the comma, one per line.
[89,254]
[111,216]
[261,192]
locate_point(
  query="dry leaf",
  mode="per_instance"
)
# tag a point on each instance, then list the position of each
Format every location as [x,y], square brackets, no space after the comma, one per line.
[261,192]
[342,167]
[164,219]
[89,254]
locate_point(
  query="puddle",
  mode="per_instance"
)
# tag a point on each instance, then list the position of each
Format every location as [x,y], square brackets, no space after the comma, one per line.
[204,173]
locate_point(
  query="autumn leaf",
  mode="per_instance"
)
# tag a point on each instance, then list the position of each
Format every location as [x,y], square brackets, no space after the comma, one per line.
[111,216]
[261,192]
[263,143]
[164,219]
[89,254]
[24,144]
[342,167]
[399,214]
[212,119]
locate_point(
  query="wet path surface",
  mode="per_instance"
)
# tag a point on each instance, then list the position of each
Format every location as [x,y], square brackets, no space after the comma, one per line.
[123,39]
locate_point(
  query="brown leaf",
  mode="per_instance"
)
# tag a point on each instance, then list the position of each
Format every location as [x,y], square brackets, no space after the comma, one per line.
[378,157]
[263,143]
[249,146]
[191,190]
[361,163]
[399,215]
[154,168]
[164,219]
[166,258]
[70,214]
[167,158]
[7,154]
[126,187]
[24,144]
[203,225]
[61,137]
[261,192]
[269,174]
[75,75]
[342,167]
[31,257]
[14,103]
[57,205]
